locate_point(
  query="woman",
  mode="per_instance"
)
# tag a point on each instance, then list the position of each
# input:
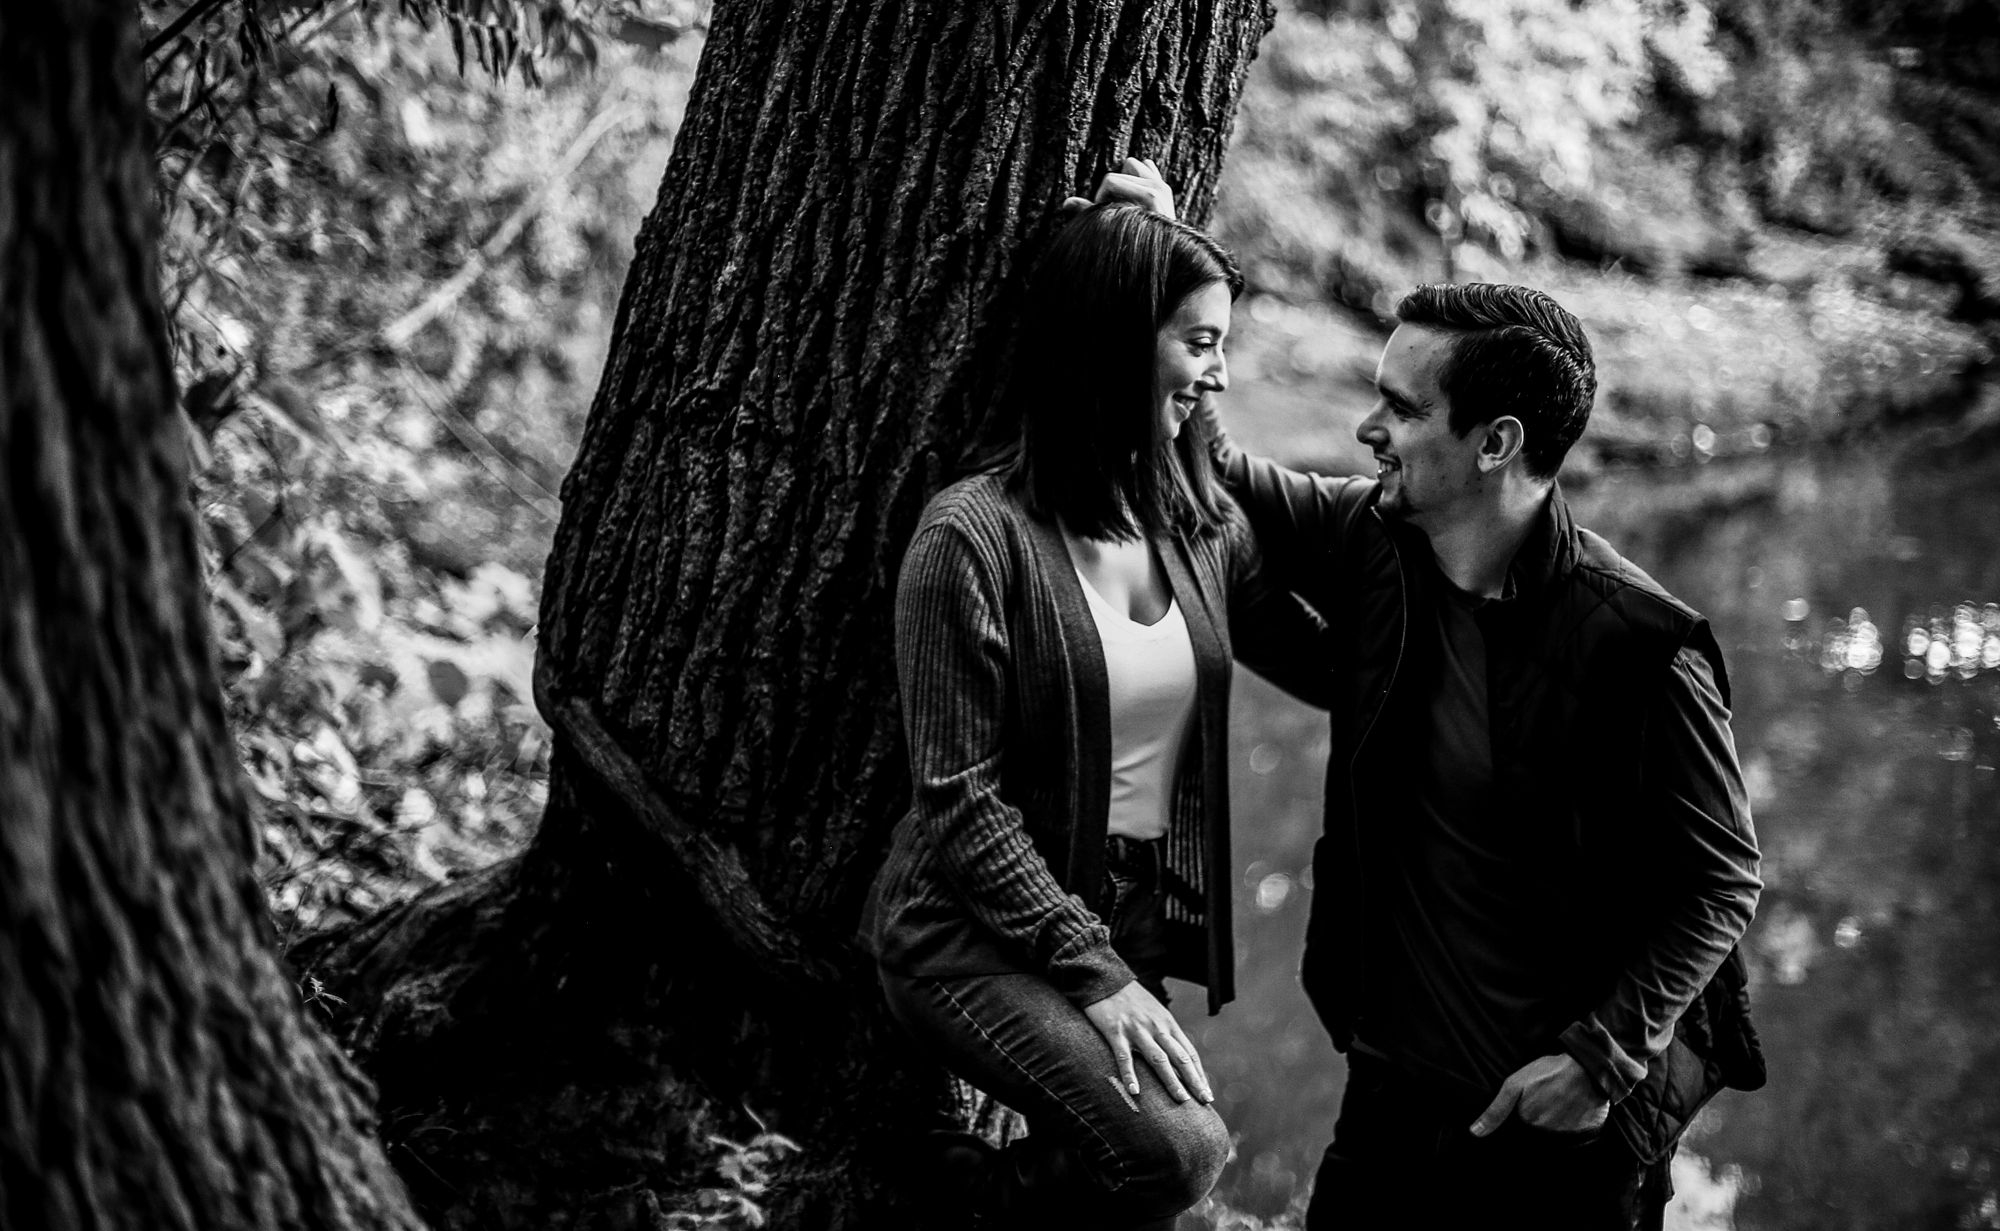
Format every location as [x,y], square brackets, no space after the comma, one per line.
[1063,650]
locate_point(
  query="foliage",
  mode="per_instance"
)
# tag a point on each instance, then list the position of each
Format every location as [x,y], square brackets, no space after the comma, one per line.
[1835,107]
[1581,148]
[1400,127]
[1215,1213]
[375,483]
[746,1172]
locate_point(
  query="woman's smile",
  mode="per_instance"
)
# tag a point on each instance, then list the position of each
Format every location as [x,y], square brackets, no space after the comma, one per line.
[1187,361]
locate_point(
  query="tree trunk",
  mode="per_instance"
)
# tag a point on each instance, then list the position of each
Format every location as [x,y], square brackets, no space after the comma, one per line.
[815,322]
[157,1068]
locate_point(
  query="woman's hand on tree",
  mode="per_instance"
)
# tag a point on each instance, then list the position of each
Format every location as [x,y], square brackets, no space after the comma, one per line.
[1132,1019]
[1136,182]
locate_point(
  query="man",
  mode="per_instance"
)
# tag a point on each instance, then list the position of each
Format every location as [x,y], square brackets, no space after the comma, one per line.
[1538,855]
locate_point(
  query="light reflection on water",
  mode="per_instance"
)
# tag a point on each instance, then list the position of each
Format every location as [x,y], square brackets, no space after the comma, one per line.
[1960,642]
[1857,598]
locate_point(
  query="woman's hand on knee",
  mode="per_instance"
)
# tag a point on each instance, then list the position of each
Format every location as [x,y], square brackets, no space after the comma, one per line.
[1132,1019]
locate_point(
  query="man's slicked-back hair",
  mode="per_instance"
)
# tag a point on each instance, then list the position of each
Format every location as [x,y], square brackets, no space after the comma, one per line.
[1517,352]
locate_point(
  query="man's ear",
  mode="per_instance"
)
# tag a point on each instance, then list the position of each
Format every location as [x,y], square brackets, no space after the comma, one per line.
[1501,443]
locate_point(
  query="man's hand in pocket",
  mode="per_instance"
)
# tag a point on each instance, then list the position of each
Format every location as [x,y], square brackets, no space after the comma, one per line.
[1553,1094]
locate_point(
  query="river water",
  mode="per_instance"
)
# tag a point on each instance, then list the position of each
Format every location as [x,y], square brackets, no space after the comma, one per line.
[1856,593]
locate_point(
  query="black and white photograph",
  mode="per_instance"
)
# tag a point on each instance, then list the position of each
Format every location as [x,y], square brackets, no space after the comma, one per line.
[999,615]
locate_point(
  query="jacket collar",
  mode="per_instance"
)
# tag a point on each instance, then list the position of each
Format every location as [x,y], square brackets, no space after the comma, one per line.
[1550,551]
[1544,558]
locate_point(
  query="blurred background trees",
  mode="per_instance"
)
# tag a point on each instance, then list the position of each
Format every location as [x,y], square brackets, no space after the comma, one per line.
[1775,217]
[395,237]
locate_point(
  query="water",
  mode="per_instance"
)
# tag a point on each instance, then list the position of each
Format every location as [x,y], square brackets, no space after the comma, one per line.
[1854,593]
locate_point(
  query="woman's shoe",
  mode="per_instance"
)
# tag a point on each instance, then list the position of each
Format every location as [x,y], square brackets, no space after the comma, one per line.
[953,1178]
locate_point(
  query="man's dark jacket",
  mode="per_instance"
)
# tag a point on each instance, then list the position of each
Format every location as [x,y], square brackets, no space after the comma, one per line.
[1661,1008]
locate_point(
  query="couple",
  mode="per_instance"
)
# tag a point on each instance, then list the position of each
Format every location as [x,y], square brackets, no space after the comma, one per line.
[1538,855]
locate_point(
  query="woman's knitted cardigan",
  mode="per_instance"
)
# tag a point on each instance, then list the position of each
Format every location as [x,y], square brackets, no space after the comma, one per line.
[998,865]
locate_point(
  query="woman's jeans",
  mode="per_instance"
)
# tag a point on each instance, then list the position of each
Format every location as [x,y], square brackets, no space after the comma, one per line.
[1095,1156]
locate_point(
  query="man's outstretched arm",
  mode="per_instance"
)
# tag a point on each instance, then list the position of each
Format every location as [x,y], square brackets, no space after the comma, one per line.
[1301,519]
[1273,631]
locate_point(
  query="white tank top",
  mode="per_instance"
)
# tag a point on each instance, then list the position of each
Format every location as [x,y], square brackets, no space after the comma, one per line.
[1150,668]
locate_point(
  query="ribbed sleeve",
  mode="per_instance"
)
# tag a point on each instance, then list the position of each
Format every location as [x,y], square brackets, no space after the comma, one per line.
[953,665]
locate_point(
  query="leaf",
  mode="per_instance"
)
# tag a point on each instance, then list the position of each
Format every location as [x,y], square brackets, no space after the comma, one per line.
[224,536]
[259,628]
[360,576]
[285,403]
[777,1143]
[259,508]
[300,606]
[448,683]
[211,399]
[647,33]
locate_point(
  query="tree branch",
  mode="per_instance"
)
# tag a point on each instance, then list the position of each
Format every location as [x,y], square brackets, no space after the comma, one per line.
[189,15]
[397,333]
[718,873]
[518,481]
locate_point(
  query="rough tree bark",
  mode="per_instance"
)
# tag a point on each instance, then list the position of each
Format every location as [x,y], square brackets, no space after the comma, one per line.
[815,321]
[157,1069]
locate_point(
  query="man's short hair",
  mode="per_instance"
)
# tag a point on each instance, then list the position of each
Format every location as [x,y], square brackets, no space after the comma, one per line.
[1517,353]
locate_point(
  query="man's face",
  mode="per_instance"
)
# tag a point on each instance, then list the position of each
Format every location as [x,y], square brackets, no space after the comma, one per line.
[1425,468]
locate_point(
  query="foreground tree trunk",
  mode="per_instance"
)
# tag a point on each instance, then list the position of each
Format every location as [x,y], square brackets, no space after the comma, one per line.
[156,1066]
[815,322]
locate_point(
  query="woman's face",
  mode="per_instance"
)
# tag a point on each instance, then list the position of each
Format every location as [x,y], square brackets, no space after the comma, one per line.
[1187,356]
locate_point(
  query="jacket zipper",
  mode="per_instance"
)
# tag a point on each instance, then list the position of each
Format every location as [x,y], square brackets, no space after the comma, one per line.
[1395,669]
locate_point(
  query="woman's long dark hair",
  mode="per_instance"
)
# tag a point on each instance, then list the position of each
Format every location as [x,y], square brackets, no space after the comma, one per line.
[1091,450]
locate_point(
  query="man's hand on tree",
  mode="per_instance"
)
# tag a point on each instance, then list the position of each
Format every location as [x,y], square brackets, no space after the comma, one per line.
[1552,1093]
[1137,182]
[1132,1019]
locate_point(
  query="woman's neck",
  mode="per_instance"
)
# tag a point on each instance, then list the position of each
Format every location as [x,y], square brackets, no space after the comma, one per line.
[1125,573]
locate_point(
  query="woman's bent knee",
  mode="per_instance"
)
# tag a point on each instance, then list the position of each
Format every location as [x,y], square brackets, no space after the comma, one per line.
[1176,1163]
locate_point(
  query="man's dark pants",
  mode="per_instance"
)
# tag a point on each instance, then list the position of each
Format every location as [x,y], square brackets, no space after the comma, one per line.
[1403,1156]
